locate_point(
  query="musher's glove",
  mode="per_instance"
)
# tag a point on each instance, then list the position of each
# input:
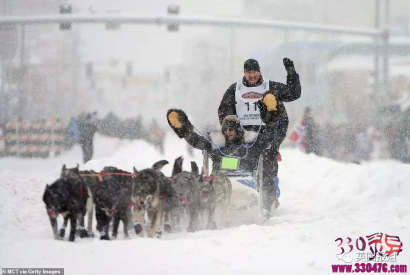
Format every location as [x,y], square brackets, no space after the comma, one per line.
[268,108]
[290,68]
[179,122]
[173,119]
[269,100]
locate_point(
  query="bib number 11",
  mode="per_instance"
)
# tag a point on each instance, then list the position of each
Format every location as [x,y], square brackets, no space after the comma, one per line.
[255,105]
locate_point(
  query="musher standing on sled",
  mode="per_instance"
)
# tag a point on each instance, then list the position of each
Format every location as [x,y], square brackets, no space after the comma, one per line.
[244,99]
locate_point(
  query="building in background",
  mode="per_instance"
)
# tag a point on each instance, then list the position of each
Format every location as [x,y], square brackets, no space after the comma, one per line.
[190,68]
[42,77]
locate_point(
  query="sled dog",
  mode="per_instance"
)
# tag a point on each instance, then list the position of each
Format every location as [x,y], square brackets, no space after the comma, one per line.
[67,196]
[91,180]
[113,201]
[215,193]
[185,185]
[150,189]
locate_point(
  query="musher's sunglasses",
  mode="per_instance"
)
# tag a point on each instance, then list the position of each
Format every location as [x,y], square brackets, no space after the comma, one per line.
[230,129]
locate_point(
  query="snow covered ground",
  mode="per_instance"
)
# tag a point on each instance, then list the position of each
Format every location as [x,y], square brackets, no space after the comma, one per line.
[321,201]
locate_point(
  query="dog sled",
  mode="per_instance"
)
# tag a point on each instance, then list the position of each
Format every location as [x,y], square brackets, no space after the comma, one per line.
[246,201]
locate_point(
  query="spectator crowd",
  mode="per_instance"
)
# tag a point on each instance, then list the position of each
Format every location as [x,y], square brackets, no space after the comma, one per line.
[355,142]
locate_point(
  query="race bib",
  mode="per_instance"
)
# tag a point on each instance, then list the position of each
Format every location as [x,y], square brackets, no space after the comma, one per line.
[246,102]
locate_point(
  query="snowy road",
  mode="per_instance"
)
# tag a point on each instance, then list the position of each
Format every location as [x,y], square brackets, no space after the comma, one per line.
[321,201]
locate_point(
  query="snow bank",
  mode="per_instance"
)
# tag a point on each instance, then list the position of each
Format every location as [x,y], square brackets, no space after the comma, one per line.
[321,201]
[21,207]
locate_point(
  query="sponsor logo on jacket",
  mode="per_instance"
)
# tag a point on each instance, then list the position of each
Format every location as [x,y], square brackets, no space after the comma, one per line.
[252,95]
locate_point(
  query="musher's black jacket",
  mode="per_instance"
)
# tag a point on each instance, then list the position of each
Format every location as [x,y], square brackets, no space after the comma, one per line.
[282,92]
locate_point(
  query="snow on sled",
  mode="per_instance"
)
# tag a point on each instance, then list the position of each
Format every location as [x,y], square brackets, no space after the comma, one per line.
[245,205]
[245,202]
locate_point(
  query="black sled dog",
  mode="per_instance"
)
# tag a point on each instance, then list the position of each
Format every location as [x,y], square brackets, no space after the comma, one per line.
[201,196]
[91,179]
[186,198]
[113,201]
[215,193]
[67,196]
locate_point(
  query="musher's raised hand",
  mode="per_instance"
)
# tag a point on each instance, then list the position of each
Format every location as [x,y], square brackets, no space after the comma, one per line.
[269,100]
[268,107]
[179,122]
[289,66]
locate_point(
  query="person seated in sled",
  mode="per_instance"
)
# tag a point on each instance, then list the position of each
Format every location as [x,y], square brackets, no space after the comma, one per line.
[232,141]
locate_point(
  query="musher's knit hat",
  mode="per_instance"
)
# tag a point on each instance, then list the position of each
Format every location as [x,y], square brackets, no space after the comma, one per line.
[233,122]
[251,65]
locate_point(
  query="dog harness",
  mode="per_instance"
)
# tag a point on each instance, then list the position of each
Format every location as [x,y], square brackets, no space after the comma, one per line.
[100,178]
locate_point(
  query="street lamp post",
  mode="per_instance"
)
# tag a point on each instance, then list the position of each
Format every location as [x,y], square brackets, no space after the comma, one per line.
[386,85]
[376,48]
[22,95]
